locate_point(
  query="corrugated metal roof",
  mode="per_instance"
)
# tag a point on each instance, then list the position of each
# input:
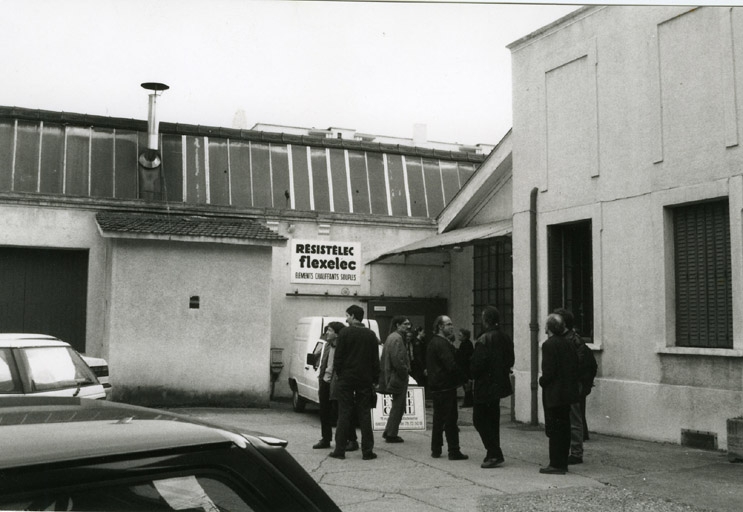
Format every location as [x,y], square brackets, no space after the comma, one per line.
[232,133]
[185,226]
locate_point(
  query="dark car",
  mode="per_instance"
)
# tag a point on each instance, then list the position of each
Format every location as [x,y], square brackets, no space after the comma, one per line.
[77,454]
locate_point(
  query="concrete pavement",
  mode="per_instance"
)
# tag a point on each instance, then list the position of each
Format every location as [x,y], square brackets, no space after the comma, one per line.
[617,474]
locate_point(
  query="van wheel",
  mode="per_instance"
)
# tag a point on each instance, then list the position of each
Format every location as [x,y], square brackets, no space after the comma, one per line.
[298,402]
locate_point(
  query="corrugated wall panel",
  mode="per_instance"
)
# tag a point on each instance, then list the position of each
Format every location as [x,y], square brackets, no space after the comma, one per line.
[359,184]
[397,186]
[450,177]
[280,172]
[7,136]
[465,171]
[77,164]
[171,151]
[340,180]
[242,189]
[320,179]
[102,163]
[432,175]
[52,159]
[377,183]
[415,185]
[301,178]
[125,165]
[261,168]
[27,158]
[195,170]
[219,176]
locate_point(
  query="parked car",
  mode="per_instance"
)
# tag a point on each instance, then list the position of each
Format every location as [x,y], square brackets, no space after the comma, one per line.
[306,354]
[100,368]
[74,454]
[37,364]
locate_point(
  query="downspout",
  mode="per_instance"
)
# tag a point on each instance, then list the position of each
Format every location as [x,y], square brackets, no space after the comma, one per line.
[533,323]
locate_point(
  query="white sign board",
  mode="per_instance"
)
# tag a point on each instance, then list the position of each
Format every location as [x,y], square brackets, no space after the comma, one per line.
[414,417]
[321,262]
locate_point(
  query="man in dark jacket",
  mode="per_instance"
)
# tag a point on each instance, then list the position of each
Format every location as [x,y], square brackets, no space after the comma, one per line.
[444,377]
[356,364]
[559,383]
[491,371]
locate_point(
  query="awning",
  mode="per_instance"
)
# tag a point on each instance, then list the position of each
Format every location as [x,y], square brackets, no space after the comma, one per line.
[457,237]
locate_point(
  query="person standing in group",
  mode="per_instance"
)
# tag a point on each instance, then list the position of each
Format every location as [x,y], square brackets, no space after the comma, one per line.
[356,364]
[587,368]
[418,364]
[326,390]
[491,370]
[444,377]
[464,357]
[393,377]
[559,382]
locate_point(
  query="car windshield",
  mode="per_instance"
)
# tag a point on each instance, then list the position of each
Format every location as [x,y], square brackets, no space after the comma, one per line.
[55,368]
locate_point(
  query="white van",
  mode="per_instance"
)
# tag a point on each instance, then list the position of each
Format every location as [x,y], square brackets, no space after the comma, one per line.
[306,354]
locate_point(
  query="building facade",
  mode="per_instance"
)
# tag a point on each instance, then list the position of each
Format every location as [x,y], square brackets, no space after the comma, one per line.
[627,124]
[189,277]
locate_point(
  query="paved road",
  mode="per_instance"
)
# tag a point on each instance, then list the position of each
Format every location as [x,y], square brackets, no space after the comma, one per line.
[618,474]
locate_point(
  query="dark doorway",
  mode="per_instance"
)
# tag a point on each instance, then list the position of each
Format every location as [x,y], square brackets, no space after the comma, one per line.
[421,312]
[44,291]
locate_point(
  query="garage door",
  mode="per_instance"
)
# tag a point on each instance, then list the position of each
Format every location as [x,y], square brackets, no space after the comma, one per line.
[44,291]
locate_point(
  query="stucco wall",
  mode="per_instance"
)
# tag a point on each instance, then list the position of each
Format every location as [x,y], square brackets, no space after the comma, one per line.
[64,228]
[619,114]
[162,351]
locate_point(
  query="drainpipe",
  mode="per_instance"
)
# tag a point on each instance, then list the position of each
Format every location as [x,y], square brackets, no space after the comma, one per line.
[534,298]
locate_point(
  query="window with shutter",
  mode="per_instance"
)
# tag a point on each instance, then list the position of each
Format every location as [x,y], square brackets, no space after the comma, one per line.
[493,281]
[704,297]
[570,273]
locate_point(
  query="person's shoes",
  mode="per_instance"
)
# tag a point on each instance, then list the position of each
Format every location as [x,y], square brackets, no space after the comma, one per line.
[551,470]
[394,439]
[457,456]
[384,435]
[435,455]
[491,463]
[572,459]
[369,456]
[352,446]
[465,406]
[321,444]
[337,455]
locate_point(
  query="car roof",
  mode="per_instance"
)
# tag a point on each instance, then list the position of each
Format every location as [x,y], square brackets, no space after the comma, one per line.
[21,340]
[38,430]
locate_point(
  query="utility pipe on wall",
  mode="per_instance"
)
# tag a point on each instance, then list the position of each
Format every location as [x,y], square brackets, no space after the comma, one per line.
[534,299]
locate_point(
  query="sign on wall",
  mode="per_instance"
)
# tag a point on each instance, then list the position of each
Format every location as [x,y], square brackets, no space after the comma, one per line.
[414,417]
[320,262]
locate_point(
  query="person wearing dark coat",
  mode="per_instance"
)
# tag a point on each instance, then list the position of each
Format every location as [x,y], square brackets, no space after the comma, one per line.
[444,377]
[464,356]
[491,371]
[393,376]
[559,382]
[356,364]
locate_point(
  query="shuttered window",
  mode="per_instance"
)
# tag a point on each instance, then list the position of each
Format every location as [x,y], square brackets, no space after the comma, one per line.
[570,273]
[493,281]
[704,297]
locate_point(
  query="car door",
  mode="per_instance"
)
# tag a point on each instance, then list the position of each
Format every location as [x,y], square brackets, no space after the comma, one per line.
[309,385]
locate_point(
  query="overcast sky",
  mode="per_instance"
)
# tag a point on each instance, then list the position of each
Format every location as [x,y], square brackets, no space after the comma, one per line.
[377,67]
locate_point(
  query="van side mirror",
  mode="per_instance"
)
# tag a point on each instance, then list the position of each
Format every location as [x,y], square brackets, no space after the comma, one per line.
[311,359]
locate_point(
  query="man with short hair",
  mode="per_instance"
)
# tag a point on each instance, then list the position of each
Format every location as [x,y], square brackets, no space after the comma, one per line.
[393,379]
[491,370]
[356,364]
[559,383]
[587,368]
[444,377]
